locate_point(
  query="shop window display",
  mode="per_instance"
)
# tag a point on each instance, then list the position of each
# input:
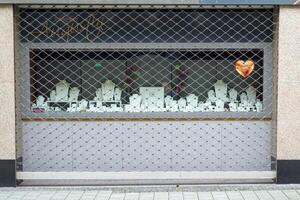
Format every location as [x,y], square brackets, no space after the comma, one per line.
[147,81]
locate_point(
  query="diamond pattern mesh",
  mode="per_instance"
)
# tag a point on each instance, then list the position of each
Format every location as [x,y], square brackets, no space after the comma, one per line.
[146,26]
[127,65]
[177,75]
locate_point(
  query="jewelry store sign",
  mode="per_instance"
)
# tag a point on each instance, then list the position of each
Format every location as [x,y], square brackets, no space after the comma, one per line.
[67,26]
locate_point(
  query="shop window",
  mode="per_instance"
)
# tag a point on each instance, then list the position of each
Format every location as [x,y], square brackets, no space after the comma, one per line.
[146,81]
[122,63]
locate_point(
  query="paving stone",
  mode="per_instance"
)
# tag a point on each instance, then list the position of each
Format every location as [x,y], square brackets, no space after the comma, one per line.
[205,196]
[176,196]
[60,195]
[88,195]
[103,195]
[132,196]
[263,195]
[249,195]
[291,194]
[278,195]
[219,196]
[161,195]
[190,196]
[117,196]
[82,194]
[234,195]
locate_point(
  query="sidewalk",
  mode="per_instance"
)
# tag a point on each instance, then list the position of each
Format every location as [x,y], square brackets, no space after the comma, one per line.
[238,192]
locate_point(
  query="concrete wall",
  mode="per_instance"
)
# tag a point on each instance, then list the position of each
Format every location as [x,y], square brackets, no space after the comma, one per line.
[7,97]
[288,143]
[288,114]
[7,90]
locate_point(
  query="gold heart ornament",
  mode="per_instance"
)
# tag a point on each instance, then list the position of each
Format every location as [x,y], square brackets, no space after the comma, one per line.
[244,68]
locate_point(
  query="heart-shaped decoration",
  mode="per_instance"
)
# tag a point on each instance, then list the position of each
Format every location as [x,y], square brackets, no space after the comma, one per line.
[244,68]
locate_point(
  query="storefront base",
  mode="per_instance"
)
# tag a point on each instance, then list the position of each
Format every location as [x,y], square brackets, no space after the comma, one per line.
[7,173]
[288,171]
[128,178]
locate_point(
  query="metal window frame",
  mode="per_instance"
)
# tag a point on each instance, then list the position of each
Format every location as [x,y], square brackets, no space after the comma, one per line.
[267,79]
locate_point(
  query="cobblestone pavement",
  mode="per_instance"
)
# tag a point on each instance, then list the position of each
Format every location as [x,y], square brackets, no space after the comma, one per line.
[86,193]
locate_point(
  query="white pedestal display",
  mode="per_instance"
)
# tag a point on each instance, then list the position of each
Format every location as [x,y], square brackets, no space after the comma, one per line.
[108,88]
[171,105]
[233,95]
[182,104]
[62,91]
[117,94]
[174,106]
[134,104]
[40,106]
[52,96]
[95,106]
[211,96]
[168,101]
[74,94]
[221,90]
[82,106]
[192,100]
[152,99]
[201,106]
[243,98]
[73,107]
[251,94]
[192,103]
[220,106]
[40,101]
[258,106]
[233,106]
[207,106]
[243,105]
[98,96]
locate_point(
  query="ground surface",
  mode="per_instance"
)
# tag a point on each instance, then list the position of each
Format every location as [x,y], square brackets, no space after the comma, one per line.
[256,192]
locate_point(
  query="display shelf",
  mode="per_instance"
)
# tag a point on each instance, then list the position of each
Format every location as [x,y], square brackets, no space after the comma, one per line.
[143,119]
[152,115]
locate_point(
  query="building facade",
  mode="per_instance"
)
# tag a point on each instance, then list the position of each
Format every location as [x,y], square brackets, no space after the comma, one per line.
[165,92]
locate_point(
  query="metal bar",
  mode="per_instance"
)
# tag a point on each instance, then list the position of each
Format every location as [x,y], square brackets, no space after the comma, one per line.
[145,46]
[141,6]
[157,177]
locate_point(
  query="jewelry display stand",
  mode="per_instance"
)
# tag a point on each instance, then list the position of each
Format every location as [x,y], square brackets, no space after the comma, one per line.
[221,91]
[108,88]
[251,94]
[150,99]
[182,104]
[134,103]
[233,95]
[74,93]
[192,103]
[98,95]
[62,91]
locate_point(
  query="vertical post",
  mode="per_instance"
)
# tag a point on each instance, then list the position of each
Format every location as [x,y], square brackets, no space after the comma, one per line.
[288,113]
[7,98]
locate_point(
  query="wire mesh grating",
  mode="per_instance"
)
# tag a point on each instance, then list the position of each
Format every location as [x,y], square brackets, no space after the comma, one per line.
[145,78]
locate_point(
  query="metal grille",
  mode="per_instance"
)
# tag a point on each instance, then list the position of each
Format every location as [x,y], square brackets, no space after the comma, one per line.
[145,90]
[146,26]
[146,146]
